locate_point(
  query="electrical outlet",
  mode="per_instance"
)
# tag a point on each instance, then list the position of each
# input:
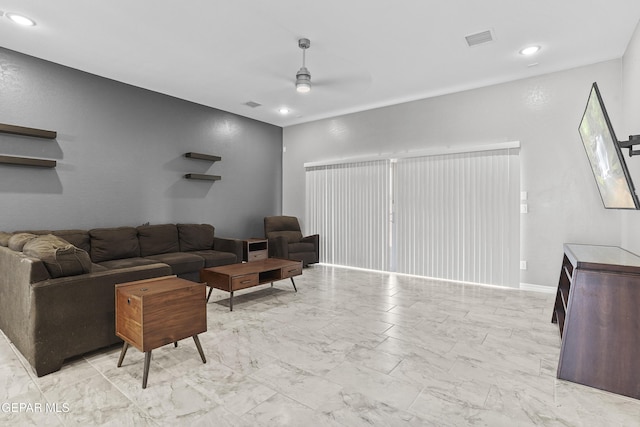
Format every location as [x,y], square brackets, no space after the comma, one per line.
[524,208]
[523,265]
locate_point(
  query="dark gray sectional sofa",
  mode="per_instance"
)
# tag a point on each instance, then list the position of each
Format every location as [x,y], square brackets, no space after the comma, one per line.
[57,287]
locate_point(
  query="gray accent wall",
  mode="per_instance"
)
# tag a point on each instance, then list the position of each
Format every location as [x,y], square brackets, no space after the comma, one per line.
[120,153]
[542,113]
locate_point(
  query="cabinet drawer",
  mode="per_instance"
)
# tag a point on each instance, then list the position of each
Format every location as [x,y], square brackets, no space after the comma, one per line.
[256,255]
[245,281]
[291,271]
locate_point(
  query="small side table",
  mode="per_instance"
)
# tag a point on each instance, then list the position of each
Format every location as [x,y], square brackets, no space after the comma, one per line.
[255,249]
[155,312]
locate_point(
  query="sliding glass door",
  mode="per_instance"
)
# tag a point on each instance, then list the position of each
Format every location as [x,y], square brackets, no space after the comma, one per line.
[451,216]
[457,217]
[348,205]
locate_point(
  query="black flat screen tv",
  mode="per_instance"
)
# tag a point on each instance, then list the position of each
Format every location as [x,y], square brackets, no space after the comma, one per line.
[605,156]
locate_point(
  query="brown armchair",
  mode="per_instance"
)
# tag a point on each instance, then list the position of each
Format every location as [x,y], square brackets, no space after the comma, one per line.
[286,241]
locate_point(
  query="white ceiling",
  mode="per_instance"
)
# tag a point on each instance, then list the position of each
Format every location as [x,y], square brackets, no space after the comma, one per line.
[364,53]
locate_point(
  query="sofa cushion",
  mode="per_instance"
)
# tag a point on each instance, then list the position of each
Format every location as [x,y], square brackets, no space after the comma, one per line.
[114,243]
[290,236]
[283,226]
[180,262]
[116,264]
[195,237]
[158,239]
[60,257]
[78,238]
[4,238]
[216,258]
[18,240]
[96,268]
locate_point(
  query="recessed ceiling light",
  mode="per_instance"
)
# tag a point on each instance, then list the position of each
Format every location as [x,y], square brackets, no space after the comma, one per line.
[529,50]
[21,19]
[284,110]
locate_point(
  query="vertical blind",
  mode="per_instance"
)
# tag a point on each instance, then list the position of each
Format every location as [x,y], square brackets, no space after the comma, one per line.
[457,217]
[453,216]
[348,205]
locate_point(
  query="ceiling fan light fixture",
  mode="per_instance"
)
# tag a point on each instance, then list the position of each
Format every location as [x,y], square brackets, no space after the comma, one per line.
[303,80]
[303,76]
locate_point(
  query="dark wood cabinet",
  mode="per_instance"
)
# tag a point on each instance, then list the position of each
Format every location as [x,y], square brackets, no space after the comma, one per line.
[597,309]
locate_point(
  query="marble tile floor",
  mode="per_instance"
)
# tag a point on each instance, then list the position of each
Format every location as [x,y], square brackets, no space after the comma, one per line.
[351,348]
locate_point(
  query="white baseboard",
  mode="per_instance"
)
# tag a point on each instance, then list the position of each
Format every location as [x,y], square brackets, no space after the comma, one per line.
[537,288]
[522,287]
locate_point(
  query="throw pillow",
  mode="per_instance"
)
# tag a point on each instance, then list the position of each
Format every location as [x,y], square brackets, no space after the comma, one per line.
[60,257]
[78,238]
[17,241]
[4,238]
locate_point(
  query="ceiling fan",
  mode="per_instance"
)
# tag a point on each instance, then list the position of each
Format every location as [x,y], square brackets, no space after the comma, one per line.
[349,78]
[303,76]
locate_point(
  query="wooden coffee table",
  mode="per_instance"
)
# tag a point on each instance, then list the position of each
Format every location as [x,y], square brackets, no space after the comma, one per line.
[234,277]
[154,312]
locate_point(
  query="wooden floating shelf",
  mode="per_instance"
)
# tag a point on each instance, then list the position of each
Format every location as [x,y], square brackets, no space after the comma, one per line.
[203,157]
[24,131]
[203,177]
[27,161]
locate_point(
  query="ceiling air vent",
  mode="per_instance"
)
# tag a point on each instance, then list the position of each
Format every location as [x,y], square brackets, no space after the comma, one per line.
[252,104]
[479,38]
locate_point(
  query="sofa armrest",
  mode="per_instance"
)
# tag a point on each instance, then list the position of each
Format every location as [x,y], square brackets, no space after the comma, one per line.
[225,244]
[315,239]
[75,314]
[17,273]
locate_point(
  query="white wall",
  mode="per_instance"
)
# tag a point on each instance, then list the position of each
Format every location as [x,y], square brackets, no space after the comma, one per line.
[542,113]
[631,126]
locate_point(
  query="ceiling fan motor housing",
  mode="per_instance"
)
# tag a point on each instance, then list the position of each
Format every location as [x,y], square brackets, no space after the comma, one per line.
[304,43]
